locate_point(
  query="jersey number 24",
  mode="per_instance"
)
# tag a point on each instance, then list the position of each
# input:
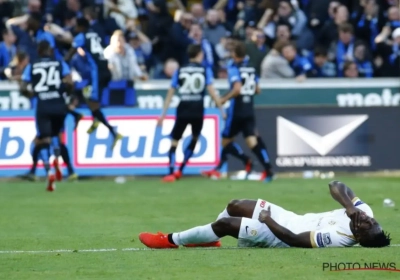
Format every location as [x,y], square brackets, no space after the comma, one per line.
[48,77]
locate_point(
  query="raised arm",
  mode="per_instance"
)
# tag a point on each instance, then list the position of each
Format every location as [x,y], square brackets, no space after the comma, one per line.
[342,194]
[301,240]
[345,196]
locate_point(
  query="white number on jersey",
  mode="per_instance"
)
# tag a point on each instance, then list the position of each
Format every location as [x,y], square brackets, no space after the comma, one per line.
[48,77]
[248,83]
[95,45]
[193,83]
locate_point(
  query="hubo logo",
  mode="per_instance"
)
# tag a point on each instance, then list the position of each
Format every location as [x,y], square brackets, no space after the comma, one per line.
[322,141]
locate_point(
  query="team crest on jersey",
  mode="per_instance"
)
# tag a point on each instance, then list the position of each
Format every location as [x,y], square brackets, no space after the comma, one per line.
[332,223]
[253,232]
[262,204]
[326,238]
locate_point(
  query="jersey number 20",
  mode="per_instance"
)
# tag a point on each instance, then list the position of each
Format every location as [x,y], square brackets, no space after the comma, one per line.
[48,77]
[193,83]
[248,83]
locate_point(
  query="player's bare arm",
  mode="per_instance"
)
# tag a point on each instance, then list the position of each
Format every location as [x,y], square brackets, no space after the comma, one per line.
[258,89]
[233,93]
[70,54]
[23,87]
[167,101]
[344,195]
[301,240]
[69,84]
[214,96]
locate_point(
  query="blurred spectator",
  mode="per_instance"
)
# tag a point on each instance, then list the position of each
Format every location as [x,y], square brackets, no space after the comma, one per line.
[120,11]
[196,34]
[62,8]
[363,61]
[394,18]
[213,29]
[247,13]
[142,46]
[250,27]
[329,32]
[7,48]
[198,13]
[317,11]
[6,12]
[34,6]
[389,54]
[369,23]
[301,65]
[282,33]
[343,49]
[321,66]
[350,69]
[223,50]
[28,31]
[170,67]
[122,59]
[16,66]
[257,50]
[274,65]
[180,36]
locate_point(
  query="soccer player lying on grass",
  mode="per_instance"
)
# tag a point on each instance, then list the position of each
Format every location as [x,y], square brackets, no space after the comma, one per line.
[258,223]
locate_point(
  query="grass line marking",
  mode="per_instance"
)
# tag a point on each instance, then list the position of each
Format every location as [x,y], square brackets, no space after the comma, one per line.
[116,250]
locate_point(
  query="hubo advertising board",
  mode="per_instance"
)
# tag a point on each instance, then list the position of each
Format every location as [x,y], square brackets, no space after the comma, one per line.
[347,139]
[142,151]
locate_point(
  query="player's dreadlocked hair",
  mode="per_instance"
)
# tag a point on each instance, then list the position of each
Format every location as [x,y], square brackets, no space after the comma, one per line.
[382,239]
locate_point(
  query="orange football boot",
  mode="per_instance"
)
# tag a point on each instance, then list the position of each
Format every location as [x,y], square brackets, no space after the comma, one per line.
[59,175]
[211,173]
[178,174]
[51,186]
[266,177]
[169,178]
[249,166]
[156,241]
[210,244]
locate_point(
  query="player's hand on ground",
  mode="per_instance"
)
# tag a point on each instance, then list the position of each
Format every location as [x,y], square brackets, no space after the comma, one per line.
[264,214]
[160,122]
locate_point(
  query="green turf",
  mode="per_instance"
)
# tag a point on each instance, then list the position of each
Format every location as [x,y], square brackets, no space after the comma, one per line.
[102,214]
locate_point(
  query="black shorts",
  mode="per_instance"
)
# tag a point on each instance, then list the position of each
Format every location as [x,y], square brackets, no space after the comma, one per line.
[233,126]
[49,125]
[181,124]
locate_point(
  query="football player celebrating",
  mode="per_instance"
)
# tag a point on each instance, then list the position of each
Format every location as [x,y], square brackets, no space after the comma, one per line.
[244,85]
[191,81]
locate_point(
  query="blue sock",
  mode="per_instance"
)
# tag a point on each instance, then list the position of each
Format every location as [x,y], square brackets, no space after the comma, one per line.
[172,159]
[188,153]
[45,155]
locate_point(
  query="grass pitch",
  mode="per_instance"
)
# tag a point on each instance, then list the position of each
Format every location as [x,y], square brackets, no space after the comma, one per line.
[103,215]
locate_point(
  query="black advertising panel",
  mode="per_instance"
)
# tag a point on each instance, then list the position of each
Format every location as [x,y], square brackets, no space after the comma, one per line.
[345,139]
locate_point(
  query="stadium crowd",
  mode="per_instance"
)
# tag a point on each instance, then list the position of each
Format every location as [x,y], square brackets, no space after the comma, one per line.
[284,39]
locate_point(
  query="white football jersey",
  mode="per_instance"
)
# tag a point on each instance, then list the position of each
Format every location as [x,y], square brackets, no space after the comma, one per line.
[328,229]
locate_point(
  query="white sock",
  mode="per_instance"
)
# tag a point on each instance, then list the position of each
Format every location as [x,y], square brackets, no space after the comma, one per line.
[197,235]
[223,214]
